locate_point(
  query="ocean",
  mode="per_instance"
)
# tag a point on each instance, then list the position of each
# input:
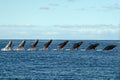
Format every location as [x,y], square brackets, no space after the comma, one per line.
[64,64]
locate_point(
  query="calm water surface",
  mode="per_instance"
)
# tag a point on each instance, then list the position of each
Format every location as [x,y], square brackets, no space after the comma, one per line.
[60,65]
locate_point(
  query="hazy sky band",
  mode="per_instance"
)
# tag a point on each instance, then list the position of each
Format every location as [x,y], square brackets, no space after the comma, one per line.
[60,19]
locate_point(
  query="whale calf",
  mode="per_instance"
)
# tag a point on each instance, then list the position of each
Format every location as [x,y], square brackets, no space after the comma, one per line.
[33,45]
[109,47]
[7,47]
[21,45]
[46,45]
[61,45]
[76,45]
[92,46]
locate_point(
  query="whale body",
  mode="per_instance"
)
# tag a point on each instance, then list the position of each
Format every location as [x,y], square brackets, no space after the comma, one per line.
[76,45]
[33,45]
[92,46]
[109,47]
[21,45]
[61,45]
[46,45]
[7,47]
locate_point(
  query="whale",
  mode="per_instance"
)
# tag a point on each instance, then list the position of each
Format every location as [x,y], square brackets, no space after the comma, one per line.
[92,46]
[46,45]
[109,47]
[33,45]
[7,47]
[76,45]
[61,45]
[21,45]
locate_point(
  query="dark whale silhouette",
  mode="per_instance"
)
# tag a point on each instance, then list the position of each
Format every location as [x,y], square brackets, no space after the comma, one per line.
[7,47]
[109,47]
[76,45]
[92,46]
[61,45]
[33,45]
[46,45]
[21,45]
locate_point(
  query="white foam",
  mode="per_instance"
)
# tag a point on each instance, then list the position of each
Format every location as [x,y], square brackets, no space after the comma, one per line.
[31,49]
[5,49]
[54,49]
[99,50]
[67,49]
[17,49]
[43,49]
[82,49]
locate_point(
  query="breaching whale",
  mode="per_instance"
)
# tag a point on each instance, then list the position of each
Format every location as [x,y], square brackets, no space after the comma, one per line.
[46,45]
[92,46]
[21,45]
[33,45]
[61,45]
[109,47]
[76,45]
[7,47]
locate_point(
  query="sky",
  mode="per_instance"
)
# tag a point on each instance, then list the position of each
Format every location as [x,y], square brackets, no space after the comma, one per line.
[60,19]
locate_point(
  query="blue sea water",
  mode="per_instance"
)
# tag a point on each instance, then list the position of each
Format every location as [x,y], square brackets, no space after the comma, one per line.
[60,65]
